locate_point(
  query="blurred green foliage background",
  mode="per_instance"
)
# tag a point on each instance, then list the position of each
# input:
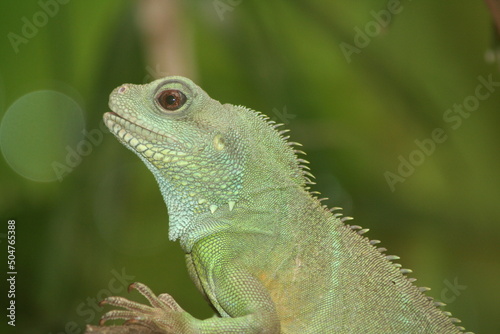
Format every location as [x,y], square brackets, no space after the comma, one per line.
[356,92]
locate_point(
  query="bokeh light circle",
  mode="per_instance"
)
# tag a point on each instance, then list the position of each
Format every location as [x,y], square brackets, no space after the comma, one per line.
[37,133]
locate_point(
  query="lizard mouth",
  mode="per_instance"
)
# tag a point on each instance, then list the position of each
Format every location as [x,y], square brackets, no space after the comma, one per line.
[135,135]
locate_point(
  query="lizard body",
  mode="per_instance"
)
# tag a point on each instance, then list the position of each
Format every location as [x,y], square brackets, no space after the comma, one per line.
[265,252]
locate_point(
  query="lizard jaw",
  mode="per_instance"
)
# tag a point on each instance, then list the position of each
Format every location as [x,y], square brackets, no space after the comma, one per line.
[139,138]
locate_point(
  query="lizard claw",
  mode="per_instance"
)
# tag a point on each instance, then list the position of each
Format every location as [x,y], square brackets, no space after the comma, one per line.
[156,317]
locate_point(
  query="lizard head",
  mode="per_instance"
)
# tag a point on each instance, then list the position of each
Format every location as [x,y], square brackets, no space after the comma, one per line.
[203,154]
[152,119]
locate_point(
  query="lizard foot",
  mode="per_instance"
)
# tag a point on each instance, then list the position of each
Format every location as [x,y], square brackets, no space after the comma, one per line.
[164,315]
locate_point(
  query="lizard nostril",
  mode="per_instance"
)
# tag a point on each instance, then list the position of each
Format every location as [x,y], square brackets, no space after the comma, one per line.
[122,89]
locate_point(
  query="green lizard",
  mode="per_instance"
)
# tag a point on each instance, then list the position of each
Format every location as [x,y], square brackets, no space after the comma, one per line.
[268,256]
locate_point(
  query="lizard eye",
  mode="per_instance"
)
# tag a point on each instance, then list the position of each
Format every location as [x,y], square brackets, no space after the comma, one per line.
[171,99]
